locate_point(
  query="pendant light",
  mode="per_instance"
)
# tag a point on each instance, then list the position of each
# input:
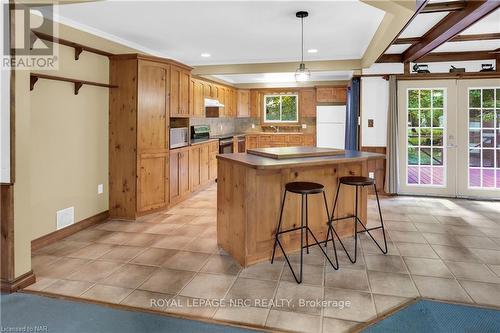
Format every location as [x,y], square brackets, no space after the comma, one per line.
[302,73]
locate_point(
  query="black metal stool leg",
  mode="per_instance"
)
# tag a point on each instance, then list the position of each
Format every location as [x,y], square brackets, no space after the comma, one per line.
[330,227]
[333,210]
[279,226]
[307,226]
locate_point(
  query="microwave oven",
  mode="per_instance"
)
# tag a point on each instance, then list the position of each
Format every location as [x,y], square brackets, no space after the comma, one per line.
[179,137]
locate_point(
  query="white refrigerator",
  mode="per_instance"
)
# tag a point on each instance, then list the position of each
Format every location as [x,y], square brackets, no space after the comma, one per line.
[330,126]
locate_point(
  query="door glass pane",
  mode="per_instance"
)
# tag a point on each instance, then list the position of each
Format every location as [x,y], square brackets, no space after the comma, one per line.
[484,159]
[426,134]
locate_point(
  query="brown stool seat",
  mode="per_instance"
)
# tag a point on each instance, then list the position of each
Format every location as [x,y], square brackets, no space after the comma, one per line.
[304,187]
[357,181]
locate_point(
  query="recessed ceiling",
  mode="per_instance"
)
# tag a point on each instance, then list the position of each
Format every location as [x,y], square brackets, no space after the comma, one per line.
[397,48]
[231,31]
[489,24]
[283,77]
[478,45]
[421,24]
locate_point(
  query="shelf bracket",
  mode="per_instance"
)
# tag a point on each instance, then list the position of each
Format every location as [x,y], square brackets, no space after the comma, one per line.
[33,80]
[78,51]
[78,85]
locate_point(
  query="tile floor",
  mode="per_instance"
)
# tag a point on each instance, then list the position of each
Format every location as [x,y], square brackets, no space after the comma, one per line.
[438,248]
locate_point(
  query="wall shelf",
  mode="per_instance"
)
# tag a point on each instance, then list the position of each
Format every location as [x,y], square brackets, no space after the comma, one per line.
[79,48]
[78,83]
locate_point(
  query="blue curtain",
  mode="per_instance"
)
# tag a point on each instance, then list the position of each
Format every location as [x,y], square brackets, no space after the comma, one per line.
[352,110]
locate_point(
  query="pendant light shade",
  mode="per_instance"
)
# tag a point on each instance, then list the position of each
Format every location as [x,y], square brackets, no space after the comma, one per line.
[302,73]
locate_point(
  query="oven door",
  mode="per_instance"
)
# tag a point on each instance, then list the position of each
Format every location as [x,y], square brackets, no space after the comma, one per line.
[226,146]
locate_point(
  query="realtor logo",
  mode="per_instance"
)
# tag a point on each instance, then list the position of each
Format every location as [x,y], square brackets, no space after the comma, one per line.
[25,30]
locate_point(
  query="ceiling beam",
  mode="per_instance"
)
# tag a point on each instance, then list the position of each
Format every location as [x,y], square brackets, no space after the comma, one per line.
[277,67]
[458,38]
[449,27]
[438,7]
[443,56]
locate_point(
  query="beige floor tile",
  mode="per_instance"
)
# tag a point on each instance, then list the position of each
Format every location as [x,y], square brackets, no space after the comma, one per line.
[264,270]
[144,240]
[123,253]
[89,235]
[208,286]
[483,293]
[466,231]
[472,271]
[172,242]
[108,294]
[167,281]
[116,238]
[252,290]
[221,264]
[407,236]
[191,306]
[94,271]
[295,293]
[495,269]
[440,288]
[400,225]
[385,263]
[427,267]
[243,315]
[416,250]
[346,278]
[38,262]
[455,253]
[68,288]
[292,321]
[147,300]
[129,276]
[488,256]
[62,248]
[361,306]
[385,303]
[478,242]
[441,239]
[395,284]
[41,283]
[202,244]
[62,268]
[162,229]
[154,256]
[422,218]
[332,325]
[311,274]
[186,260]
[433,228]
[92,251]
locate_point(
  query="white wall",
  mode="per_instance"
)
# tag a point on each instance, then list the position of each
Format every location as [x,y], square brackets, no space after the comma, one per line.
[374,105]
[4,113]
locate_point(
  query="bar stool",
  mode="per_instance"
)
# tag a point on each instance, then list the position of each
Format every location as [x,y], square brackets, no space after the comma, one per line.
[357,181]
[304,189]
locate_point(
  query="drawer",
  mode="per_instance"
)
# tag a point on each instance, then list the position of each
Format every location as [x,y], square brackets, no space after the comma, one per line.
[214,147]
[294,140]
[278,139]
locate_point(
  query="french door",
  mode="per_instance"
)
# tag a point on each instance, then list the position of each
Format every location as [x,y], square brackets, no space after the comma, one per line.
[449,137]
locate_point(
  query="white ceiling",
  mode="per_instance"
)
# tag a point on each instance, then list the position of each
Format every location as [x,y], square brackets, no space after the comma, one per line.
[479,45]
[284,77]
[489,24]
[231,31]
[421,24]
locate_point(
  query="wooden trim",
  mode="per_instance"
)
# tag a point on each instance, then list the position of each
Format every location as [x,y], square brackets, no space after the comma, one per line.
[442,56]
[138,56]
[78,83]
[439,7]
[456,76]
[457,38]
[69,230]
[389,58]
[77,46]
[450,26]
[18,283]
[7,232]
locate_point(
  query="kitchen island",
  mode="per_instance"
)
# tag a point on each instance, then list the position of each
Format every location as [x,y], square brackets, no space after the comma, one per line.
[250,190]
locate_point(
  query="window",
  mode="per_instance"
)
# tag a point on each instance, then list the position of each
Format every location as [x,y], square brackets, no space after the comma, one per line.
[484,138]
[281,108]
[425,130]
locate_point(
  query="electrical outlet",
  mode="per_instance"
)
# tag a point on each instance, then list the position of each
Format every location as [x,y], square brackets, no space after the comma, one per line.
[371,175]
[304,126]
[65,217]
[100,189]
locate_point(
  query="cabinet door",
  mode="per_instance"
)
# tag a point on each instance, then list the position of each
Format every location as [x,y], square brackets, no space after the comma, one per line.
[184,172]
[197,99]
[255,105]
[184,92]
[307,104]
[204,164]
[340,95]
[213,151]
[175,189]
[179,92]
[294,140]
[194,167]
[221,96]
[153,182]
[152,107]
[324,94]
[308,140]
[243,108]
[252,141]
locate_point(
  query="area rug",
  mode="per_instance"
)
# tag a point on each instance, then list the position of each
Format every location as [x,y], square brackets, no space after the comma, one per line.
[433,316]
[20,312]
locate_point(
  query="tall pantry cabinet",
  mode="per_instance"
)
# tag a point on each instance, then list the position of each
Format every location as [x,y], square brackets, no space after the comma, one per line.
[139,132]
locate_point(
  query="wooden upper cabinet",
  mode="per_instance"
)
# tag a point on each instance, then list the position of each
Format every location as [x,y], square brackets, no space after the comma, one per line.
[152,107]
[196,98]
[179,92]
[255,104]
[331,94]
[243,106]
[307,103]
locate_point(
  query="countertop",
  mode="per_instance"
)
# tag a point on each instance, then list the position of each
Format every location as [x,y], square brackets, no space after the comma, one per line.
[200,141]
[258,162]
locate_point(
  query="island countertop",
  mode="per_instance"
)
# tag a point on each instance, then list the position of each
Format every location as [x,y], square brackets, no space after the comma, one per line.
[259,162]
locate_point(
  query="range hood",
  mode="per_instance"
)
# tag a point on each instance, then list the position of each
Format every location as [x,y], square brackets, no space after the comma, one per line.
[212,108]
[213,103]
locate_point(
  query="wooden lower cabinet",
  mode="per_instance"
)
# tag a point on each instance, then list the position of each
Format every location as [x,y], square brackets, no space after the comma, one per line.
[194,167]
[213,150]
[179,174]
[153,183]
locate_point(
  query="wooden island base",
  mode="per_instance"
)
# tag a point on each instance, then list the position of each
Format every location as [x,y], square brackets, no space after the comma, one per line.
[249,193]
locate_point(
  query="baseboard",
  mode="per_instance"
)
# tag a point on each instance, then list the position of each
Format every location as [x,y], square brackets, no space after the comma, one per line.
[69,230]
[18,283]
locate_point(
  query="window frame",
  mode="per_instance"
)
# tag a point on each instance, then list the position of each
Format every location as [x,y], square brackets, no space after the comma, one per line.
[296,95]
